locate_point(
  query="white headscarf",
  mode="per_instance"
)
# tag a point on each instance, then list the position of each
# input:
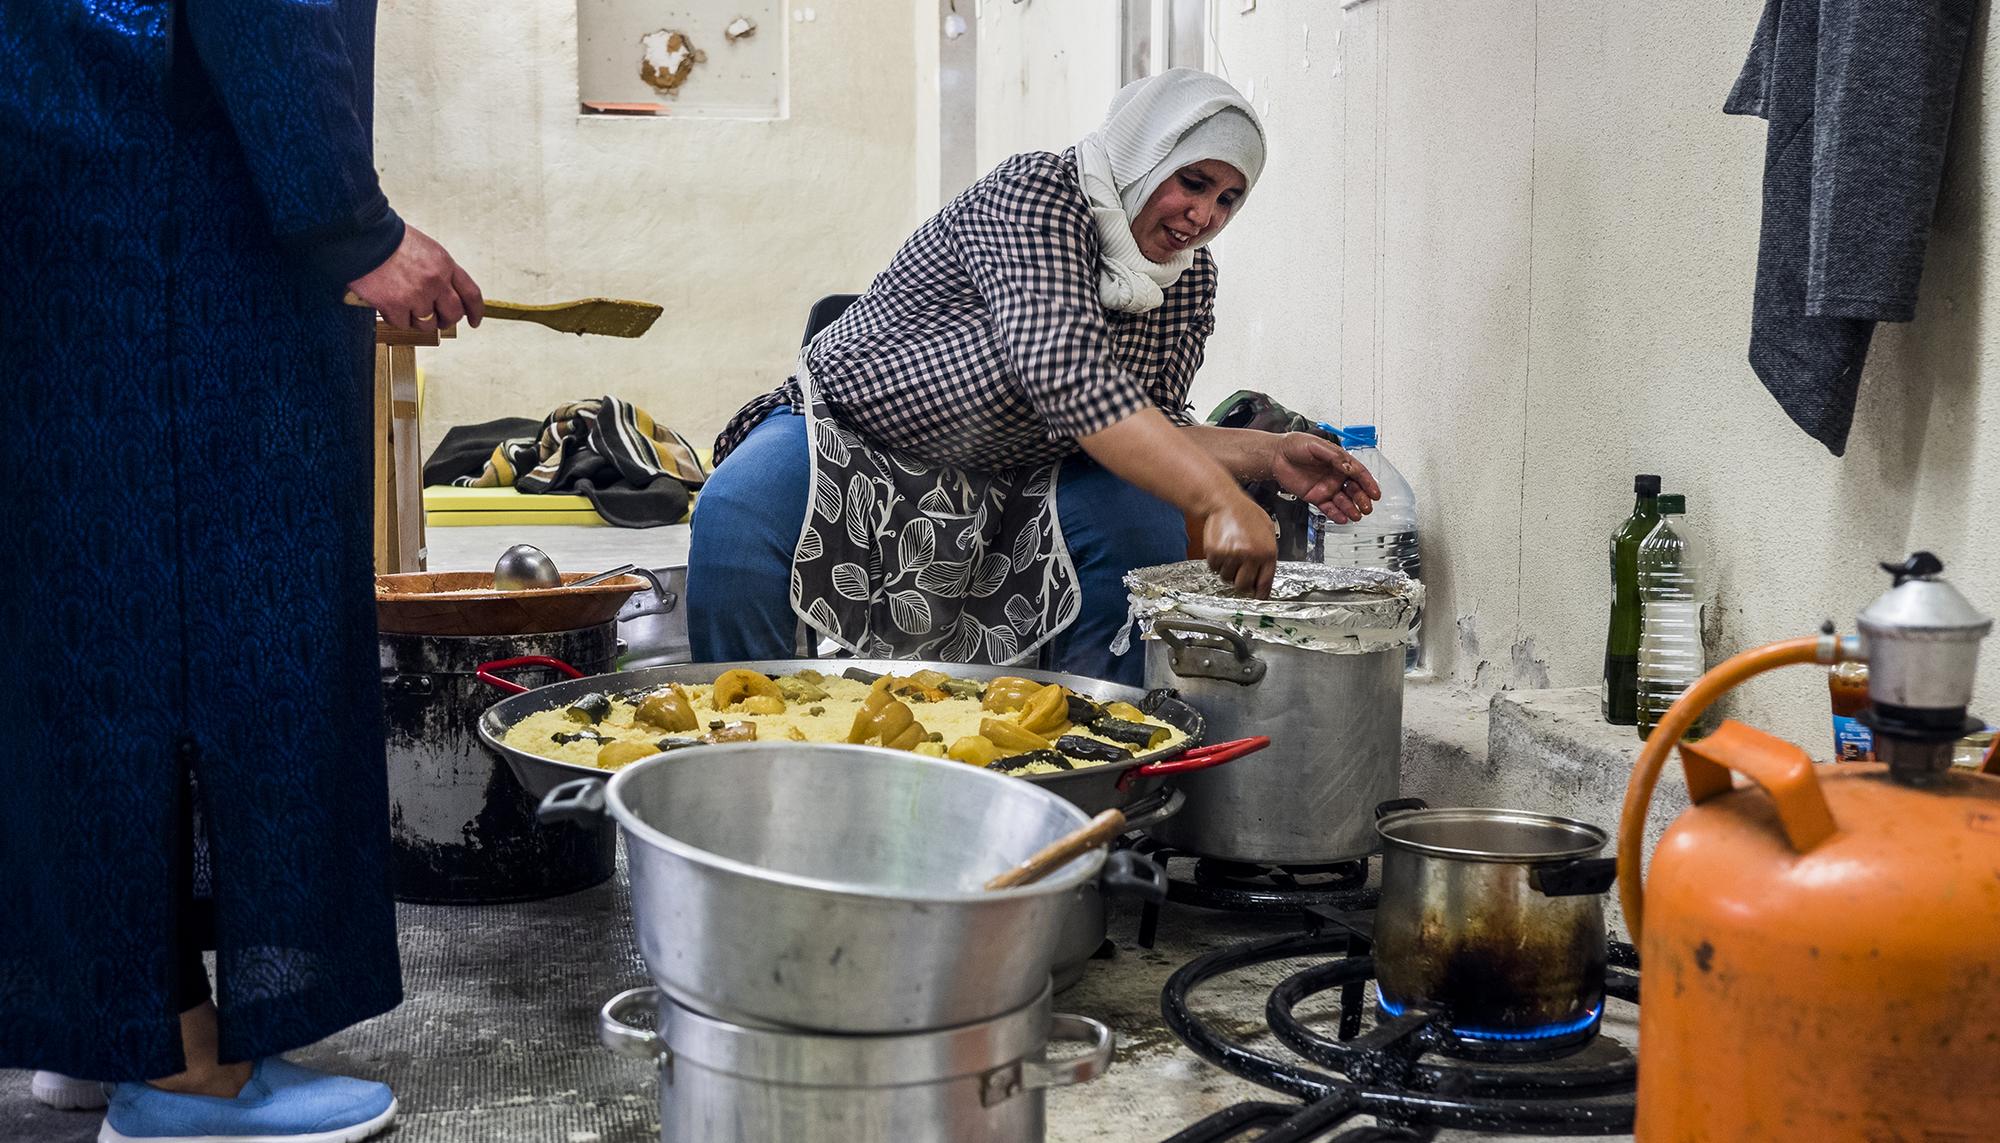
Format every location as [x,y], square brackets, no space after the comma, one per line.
[1155,127]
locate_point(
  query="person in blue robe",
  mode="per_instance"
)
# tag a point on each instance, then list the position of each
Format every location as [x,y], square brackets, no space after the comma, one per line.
[193,749]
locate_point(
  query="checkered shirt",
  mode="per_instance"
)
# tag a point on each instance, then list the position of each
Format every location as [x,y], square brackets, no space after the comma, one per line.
[984,345]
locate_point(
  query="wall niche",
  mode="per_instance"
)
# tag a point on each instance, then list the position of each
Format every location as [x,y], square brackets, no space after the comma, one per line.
[692,59]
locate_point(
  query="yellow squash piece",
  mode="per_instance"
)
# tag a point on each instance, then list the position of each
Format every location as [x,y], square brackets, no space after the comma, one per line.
[974,750]
[1125,711]
[762,704]
[1008,693]
[668,710]
[732,687]
[612,755]
[1012,737]
[1047,712]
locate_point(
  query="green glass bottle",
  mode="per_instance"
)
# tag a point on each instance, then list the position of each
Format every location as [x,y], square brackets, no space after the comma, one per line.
[1618,696]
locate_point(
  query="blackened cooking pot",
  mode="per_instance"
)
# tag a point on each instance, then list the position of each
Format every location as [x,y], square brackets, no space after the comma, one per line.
[1495,917]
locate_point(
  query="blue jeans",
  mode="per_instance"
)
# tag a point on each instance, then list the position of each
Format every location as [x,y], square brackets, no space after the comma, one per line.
[748,518]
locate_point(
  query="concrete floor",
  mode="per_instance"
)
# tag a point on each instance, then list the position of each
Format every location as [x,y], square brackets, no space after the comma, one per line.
[496,1040]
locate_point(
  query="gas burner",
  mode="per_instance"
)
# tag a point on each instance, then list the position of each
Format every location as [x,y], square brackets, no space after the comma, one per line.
[1244,887]
[1412,1071]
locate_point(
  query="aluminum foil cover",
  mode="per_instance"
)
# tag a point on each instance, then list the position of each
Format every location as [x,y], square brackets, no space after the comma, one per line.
[1341,611]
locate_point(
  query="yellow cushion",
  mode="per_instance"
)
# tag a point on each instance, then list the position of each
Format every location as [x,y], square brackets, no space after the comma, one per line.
[586,519]
[445,498]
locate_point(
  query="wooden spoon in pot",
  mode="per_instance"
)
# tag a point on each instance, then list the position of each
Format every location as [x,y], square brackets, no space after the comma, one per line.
[1100,830]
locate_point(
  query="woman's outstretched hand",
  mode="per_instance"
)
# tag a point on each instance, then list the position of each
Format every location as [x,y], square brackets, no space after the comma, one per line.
[1324,475]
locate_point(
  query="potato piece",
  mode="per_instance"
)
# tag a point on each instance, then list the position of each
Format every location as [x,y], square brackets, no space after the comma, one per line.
[930,749]
[974,750]
[668,710]
[1012,737]
[1047,711]
[613,755]
[720,731]
[797,689]
[732,687]
[795,734]
[1008,693]
[762,704]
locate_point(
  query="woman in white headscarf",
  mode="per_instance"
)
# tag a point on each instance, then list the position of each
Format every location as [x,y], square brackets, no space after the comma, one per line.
[964,466]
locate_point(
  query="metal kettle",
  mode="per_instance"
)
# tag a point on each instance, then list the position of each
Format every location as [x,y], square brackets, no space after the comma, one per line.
[1820,945]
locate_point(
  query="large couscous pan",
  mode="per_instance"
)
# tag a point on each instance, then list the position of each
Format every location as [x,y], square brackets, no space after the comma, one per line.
[1092,788]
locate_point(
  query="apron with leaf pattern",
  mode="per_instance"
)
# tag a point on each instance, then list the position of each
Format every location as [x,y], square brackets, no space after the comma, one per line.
[899,558]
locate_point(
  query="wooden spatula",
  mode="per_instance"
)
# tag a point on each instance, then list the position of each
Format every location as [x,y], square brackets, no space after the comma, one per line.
[608,316]
[1100,830]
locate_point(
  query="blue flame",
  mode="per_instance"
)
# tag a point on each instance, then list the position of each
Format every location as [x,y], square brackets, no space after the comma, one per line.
[1546,1032]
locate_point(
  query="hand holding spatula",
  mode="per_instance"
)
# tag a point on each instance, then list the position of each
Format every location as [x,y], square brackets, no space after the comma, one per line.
[608,316]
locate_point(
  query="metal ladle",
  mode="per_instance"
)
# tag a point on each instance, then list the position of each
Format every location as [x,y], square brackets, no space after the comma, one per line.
[525,567]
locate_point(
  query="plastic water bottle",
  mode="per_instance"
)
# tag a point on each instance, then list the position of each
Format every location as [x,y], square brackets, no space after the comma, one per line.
[1385,538]
[1671,656]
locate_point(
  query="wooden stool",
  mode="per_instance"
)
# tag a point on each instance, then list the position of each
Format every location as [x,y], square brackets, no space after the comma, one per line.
[399,477]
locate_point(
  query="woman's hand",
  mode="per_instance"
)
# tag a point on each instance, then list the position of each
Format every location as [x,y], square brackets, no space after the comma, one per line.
[1323,474]
[420,286]
[1241,543]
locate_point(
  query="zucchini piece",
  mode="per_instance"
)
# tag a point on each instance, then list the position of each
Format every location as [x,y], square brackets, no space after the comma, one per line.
[1092,750]
[962,688]
[1142,735]
[666,744]
[859,675]
[1082,711]
[590,709]
[1017,763]
[579,736]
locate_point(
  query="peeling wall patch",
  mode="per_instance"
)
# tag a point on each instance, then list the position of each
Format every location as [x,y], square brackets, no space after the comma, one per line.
[742,27]
[667,58]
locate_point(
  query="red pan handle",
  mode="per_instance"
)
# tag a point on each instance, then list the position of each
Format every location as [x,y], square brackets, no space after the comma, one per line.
[485,672]
[1199,758]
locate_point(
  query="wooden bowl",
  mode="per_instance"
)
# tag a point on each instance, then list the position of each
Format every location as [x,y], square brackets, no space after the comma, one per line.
[466,603]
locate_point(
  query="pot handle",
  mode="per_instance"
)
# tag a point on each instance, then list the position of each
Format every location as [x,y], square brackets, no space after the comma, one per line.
[1584,877]
[1397,805]
[579,800]
[1199,758]
[1126,874]
[1083,1069]
[625,1040]
[1201,657]
[1154,808]
[485,672]
[667,599]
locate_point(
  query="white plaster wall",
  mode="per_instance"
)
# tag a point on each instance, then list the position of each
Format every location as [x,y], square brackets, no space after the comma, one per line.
[1519,235]
[734,226]
[1046,72]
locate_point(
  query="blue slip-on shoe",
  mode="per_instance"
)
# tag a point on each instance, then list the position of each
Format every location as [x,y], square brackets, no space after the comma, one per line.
[282,1103]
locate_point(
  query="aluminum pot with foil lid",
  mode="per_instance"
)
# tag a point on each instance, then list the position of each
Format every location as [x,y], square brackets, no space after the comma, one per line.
[1318,667]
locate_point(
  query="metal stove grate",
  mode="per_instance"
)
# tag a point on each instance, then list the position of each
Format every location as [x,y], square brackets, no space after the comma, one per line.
[1411,1072]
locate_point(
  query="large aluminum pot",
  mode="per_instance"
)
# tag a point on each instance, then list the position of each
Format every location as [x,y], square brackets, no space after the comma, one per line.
[1336,726]
[1495,917]
[838,888]
[726,1083]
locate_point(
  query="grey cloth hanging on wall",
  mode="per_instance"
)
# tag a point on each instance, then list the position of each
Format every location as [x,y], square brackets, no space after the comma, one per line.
[1858,96]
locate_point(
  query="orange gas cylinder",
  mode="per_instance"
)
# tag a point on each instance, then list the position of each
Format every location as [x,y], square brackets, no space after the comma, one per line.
[1820,948]
[1822,955]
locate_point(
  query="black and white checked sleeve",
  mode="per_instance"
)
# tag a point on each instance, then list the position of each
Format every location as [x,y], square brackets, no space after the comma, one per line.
[1031,253]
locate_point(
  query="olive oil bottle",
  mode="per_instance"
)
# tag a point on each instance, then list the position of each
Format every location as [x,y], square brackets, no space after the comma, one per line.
[1618,696]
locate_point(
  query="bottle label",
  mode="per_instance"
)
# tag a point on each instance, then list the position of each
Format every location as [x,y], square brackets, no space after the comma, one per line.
[1852,740]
